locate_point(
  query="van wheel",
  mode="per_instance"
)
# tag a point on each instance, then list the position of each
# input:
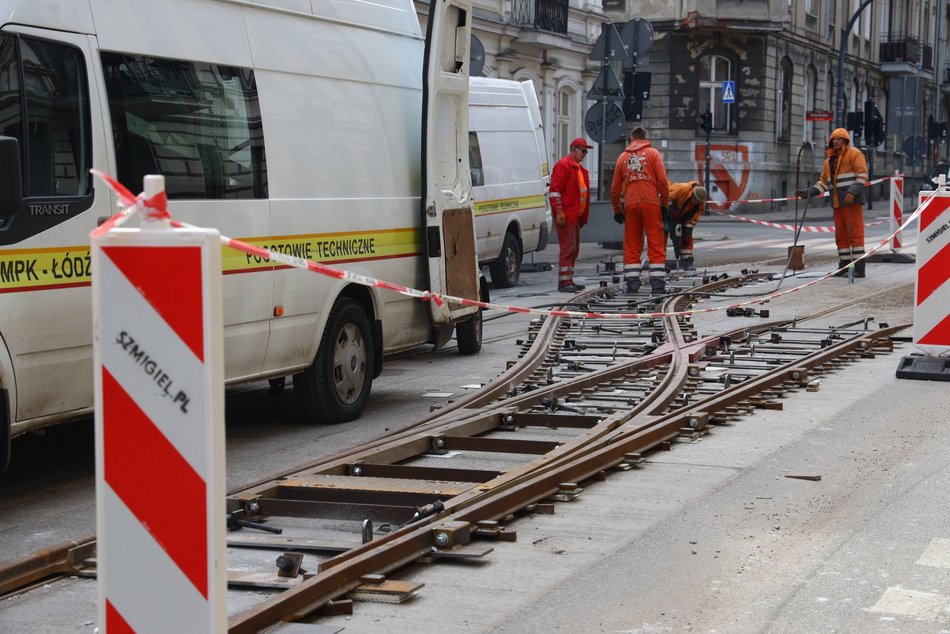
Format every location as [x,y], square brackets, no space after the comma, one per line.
[336,386]
[506,270]
[468,334]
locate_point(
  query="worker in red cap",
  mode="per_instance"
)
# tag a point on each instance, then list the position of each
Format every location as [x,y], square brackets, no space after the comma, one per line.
[570,202]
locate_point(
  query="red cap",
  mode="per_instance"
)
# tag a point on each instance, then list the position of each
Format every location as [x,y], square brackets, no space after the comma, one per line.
[580,142]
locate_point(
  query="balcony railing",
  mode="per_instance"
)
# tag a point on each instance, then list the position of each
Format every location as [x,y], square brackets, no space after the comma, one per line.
[899,47]
[545,15]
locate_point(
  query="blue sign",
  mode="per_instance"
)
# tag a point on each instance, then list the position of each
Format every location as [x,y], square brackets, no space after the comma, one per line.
[728,92]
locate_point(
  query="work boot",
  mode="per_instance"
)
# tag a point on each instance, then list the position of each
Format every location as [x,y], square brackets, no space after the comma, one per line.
[686,264]
[633,285]
[657,286]
[842,264]
[859,269]
[579,287]
[568,288]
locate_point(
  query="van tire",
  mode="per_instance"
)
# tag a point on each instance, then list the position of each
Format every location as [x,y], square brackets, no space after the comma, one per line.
[336,386]
[468,334]
[506,270]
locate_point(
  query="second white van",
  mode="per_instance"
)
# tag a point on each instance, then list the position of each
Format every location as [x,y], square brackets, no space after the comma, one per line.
[509,175]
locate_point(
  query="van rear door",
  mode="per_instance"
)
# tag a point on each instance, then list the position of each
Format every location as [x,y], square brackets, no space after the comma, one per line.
[447,213]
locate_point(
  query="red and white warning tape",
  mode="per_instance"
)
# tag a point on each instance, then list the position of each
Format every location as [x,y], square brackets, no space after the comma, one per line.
[156,207]
[781,225]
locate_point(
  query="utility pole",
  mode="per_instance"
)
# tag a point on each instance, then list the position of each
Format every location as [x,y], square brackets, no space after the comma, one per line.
[839,102]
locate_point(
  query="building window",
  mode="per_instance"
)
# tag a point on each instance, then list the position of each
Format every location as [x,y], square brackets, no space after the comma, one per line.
[564,98]
[783,101]
[713,71]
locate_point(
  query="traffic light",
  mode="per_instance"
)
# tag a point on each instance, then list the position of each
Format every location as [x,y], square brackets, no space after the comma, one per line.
[855,122]
[936,130]
[705,121]
[873,124]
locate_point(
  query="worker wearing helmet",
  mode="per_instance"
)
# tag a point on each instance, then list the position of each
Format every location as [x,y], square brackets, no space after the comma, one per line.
[687,202]
[845,175]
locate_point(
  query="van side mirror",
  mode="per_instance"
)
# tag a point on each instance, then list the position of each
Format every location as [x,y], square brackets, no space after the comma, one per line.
[11,181]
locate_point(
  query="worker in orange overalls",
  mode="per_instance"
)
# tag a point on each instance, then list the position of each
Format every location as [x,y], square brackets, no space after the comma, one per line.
[570,203]
[687,202]
[640,179]
[845,174]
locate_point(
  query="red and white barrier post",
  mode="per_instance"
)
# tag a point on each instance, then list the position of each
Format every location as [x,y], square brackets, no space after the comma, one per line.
[897,209]
[160,477]
[932,293]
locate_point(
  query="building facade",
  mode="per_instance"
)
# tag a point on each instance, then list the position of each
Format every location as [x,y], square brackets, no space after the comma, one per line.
[783,59]
[547,42]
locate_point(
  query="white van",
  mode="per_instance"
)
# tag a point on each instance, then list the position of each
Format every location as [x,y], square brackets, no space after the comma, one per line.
[509,175]
[301,126]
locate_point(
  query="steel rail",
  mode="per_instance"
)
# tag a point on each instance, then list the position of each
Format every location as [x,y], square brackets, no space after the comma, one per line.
[343,573]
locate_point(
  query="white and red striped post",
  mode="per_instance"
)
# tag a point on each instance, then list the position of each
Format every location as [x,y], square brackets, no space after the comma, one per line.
[897,209]
[932,294]
[160,477]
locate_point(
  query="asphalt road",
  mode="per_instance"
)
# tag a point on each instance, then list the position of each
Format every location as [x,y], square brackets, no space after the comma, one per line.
[708,537]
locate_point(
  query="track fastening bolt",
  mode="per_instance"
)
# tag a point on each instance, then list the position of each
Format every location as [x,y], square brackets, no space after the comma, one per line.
[442,540]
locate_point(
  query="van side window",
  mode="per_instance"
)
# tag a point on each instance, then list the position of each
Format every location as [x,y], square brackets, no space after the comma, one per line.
[197,124]
[54,95]
[475,160]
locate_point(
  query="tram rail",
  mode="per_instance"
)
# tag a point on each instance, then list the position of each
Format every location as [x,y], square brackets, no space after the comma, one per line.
[582,399]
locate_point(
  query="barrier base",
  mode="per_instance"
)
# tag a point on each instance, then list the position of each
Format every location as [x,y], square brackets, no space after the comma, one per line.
[897,258]
[924,368]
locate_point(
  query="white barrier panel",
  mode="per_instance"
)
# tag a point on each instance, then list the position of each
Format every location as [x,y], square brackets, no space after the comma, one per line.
[160,492]
[897,210]
[932,296]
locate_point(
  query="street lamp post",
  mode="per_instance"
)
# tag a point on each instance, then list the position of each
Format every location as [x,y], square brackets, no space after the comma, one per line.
[839,102]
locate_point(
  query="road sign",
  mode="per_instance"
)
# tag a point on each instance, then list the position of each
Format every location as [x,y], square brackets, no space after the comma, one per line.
[637,37]
[608,46]
[819,115]
[915,146]
[607,86]
[604,122]
[476,57]
[728,92]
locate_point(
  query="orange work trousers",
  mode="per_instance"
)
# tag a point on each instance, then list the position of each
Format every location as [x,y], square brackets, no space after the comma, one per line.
[849,227]
[640,219]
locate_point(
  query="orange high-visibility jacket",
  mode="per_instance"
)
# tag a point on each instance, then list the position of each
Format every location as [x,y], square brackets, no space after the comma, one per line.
[640,176]
[845,173]
[682,206]
[567,195]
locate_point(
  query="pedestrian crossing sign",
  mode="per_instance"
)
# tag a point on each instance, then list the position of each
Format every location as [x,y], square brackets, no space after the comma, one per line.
[728,92]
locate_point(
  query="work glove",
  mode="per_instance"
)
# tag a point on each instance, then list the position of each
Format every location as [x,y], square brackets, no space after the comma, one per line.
[560,219]
[848,199]
[812,192]
[618,217]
